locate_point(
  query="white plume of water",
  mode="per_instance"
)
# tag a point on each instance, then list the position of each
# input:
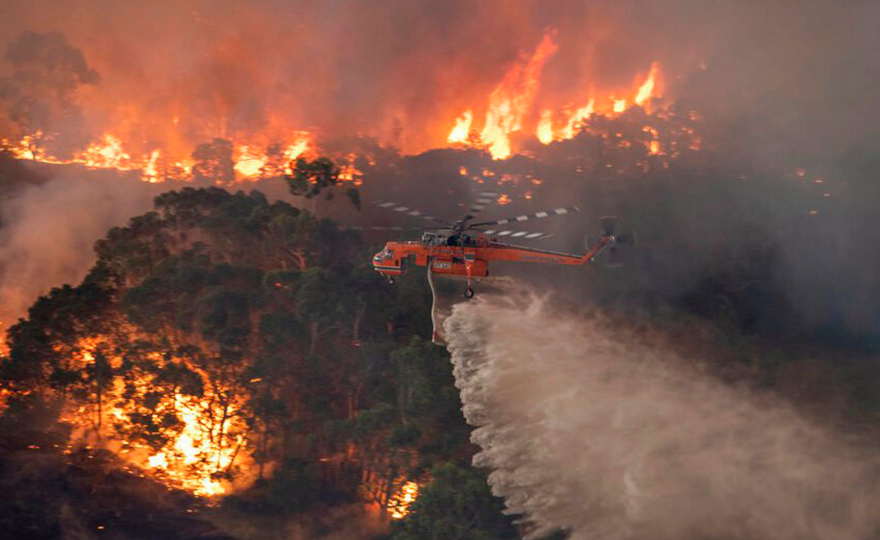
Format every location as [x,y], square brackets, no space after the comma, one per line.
[591,430]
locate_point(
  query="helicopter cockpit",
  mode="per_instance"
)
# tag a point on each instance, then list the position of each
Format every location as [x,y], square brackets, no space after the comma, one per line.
[452,239]
[433,239]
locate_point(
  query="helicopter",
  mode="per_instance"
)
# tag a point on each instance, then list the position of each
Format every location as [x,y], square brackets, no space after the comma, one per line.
[464,248]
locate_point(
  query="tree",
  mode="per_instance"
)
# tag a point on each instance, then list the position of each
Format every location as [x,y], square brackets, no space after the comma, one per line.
[310,178]
[455,505]
[47,72]
[213,162]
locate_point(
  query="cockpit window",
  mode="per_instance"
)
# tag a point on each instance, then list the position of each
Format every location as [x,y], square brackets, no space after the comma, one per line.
[389,253]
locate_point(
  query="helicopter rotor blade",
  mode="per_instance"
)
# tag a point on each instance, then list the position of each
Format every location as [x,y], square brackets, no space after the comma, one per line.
[525,217]
[626,239]
[527,235]
[607,225]
[614,260]
[395,207]
[484,199]
[380,228]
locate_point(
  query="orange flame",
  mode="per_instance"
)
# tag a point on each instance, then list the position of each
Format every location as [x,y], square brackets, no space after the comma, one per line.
[512,99]
[199,453]
[545,127]
[462,129]
[580,116]
[110,153]
[647,89]
[399,503]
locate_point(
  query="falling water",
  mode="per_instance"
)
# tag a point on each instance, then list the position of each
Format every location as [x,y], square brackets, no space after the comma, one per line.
[593,430]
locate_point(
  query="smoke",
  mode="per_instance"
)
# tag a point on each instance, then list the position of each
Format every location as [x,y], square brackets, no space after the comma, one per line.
[50,229]
[590,428]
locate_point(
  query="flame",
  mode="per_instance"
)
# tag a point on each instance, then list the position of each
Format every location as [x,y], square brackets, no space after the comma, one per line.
[174,131]
[462,129]
[109,152]
[151,170]
[512,99]
[399,503]
[510,105]
[204,440]
[545,127]
[579,117]
[198,456]
[250,161]
[647,88]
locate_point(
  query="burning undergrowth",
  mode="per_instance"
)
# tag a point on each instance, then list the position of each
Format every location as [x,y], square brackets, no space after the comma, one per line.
[204,351]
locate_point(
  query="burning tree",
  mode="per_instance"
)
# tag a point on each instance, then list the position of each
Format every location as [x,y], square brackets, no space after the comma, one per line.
[222,339]
[41,91]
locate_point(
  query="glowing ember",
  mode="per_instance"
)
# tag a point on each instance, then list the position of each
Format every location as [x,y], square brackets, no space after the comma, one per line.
[398,504]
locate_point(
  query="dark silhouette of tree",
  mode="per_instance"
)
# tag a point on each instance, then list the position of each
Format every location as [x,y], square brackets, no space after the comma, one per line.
[455,505]
[310,178]
[41,90]
[213,162]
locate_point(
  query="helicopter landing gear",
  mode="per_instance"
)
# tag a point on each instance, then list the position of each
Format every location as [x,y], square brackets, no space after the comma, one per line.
[469,293]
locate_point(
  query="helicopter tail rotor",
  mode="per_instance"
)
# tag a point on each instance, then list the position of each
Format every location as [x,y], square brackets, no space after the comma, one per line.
[613,254]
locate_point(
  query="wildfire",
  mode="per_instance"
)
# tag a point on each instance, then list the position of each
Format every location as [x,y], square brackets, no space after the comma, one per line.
[399,503]
[462,129]
[203,434]
[199,456]
[510,108]
[510,104]
[646,91]
[545,127]
[512,100]
[252,161]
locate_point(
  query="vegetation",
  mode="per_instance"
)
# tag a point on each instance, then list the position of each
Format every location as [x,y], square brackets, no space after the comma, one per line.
[304,367]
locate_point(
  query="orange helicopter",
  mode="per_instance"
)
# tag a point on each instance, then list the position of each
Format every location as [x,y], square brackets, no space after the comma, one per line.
[464,248]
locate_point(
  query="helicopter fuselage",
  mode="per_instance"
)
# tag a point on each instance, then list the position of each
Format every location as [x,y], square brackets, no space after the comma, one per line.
[468,255]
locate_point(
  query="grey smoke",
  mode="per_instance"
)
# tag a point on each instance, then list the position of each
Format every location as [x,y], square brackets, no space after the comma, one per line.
[50,229]
[592,429]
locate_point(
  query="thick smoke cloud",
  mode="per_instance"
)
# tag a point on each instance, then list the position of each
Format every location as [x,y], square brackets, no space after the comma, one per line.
[50,229]
[592,429]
